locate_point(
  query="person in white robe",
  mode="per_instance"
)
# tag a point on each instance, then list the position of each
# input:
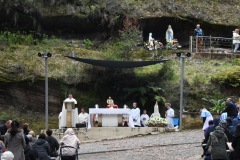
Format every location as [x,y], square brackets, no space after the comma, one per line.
[83,117]
[134,117]
[169,35]
[206,116]
[156,111]
[144,118]
[74,112]
[169,115]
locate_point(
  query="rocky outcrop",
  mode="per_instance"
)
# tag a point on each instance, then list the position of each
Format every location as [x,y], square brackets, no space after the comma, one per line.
[26,96]
[88,16]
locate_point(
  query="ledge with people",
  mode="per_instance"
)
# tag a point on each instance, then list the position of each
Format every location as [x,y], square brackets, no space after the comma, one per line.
[112,116]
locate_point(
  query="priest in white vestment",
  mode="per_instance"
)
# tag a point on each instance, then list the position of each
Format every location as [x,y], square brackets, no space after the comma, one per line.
[169,115]
[65,109]
[206,116]
[134,117]
[83,116]
[144,118]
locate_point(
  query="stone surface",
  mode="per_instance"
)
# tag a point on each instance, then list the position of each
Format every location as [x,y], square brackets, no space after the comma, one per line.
[184,145]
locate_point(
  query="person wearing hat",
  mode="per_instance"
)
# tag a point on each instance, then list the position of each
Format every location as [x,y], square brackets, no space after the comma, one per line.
[8,155]
[111,104]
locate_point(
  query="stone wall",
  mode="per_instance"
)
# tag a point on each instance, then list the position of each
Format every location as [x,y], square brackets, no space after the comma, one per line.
[191,120]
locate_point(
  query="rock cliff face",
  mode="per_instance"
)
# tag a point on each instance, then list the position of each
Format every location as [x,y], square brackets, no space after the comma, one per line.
[89,16]
[69,17]
[23,96]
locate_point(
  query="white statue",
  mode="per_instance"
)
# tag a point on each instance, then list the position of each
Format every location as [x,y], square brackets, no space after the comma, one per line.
[69,116]
[169,34]
[156,111]
[150,42]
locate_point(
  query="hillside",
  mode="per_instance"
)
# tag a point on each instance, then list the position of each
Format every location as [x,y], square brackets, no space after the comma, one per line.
[109,30]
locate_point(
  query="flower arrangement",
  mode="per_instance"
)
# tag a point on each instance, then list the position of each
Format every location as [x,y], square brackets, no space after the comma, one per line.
[157,122]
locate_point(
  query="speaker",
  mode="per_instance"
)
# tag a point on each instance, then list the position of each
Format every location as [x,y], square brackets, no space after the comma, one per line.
[188,54]
[49,54]
[179,54]
[40,54]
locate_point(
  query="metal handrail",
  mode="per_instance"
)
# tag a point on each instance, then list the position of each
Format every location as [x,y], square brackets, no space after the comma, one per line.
[210,42]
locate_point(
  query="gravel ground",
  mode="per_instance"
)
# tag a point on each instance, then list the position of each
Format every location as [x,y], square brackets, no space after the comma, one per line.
[183,145]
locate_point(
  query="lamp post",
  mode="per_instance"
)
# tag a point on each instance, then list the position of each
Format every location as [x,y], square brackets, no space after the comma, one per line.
[46,55]
[182,57]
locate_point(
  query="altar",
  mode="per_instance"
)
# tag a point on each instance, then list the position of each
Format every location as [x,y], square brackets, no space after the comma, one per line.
[107,117]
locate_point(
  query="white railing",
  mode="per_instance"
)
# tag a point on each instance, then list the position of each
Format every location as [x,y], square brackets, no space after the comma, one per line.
[210,42]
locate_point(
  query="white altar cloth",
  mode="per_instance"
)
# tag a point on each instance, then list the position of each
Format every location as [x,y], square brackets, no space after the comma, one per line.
[123,111]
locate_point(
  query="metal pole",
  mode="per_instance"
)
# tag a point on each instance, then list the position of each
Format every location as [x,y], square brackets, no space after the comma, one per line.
[181,88]
[190,44]
[196,43]
[46,92]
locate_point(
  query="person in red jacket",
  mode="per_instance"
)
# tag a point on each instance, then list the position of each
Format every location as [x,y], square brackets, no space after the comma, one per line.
[111,104]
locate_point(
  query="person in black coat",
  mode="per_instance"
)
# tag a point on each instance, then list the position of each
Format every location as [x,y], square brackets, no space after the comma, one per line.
[41,148]
[28,151]
[231,109]
[235,155]
[54,145]
[5,127]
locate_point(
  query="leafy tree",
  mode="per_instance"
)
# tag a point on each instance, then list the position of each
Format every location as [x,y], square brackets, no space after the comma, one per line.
[217,104]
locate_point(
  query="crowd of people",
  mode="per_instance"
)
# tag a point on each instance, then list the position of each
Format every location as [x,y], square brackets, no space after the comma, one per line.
[18,142]
[222,135]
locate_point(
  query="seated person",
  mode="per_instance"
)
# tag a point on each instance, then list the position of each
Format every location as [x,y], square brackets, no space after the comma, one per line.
[125,118]
[110,103]
[144,118]
[83,118]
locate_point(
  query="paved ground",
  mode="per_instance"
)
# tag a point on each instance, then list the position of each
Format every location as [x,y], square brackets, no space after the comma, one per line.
[183,145]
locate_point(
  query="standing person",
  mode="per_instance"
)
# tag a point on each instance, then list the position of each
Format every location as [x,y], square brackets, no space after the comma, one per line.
[169,35]
[69,111]
[198,32]
[231,109]
[28,151]
[15,141]
[236,40]
[235,155]
[5,127]
[53,143]
[25,128]
[144,118]
[169,115]
[206,116]
[134,117]
[32,137]
[217,141]
[69,139]
[41,148]
[83,118]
